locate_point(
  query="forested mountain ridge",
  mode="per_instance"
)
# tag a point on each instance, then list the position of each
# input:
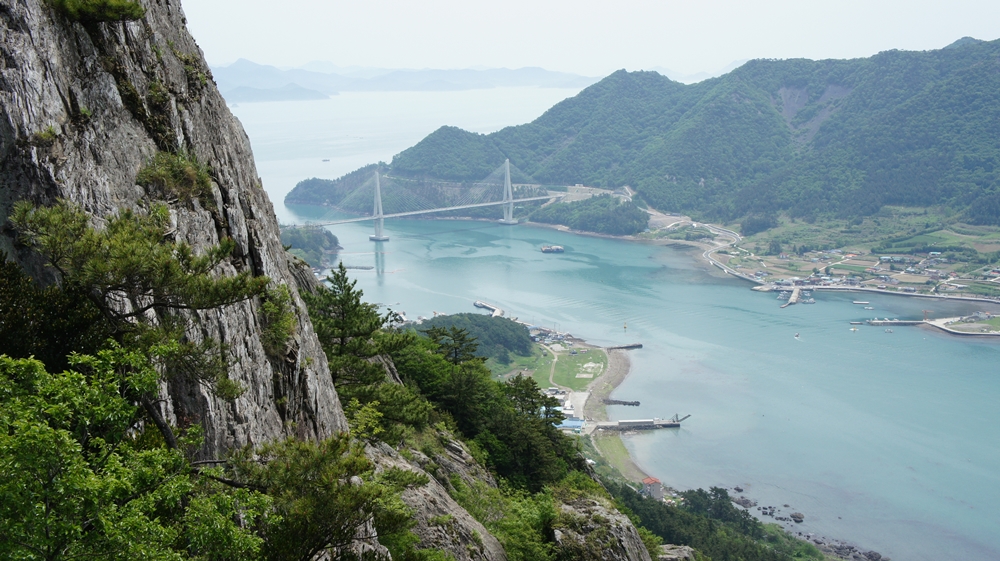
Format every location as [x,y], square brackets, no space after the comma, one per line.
[811,138]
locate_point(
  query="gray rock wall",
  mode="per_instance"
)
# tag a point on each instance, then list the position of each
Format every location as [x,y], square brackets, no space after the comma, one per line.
[115,94]
[588,529]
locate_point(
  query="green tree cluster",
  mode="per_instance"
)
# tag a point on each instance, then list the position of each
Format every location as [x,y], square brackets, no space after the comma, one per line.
[91,468]
[496,337]
[309,243]
[511,423]
[710,523]
[603,214]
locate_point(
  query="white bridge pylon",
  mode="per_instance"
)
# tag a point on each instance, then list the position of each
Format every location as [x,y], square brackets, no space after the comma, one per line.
[508,196]
[379,216]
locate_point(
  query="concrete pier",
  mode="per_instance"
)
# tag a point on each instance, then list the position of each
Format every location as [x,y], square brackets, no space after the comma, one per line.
[794,298]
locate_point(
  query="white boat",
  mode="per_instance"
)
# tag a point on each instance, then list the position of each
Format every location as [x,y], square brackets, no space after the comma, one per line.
[869,308]
[861,302]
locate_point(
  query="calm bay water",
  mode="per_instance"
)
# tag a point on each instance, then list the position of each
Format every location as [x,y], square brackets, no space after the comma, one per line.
[888,440]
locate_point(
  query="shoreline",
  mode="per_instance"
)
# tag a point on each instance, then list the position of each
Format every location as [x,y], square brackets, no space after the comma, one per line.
[594,410]
[726,271]
[619,367]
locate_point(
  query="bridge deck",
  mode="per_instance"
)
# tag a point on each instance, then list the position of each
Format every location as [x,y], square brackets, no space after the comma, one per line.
[433,210]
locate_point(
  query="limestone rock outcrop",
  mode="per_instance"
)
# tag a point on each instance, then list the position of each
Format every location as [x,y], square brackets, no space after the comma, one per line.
[441,522]
[83,107]
[588,529]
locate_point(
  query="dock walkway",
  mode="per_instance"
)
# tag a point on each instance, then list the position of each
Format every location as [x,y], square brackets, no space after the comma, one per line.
[495,310]
[794,298]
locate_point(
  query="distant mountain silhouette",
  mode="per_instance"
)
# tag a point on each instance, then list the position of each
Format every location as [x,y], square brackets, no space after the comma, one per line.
[244,73]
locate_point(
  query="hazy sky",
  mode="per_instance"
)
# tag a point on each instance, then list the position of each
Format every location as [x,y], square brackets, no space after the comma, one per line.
[583,36]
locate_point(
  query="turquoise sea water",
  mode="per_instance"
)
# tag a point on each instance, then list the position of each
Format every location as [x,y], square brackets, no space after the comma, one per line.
[889,440]
[886,440]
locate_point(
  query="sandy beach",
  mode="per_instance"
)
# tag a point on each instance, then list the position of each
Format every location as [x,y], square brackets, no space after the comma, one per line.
[609,443]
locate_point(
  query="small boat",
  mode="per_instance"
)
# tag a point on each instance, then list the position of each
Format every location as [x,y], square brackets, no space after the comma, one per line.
[855,323]
[854,329]
[861,302]
[796,335]
[888,331]
[552,249]
[869,308]
[326,159]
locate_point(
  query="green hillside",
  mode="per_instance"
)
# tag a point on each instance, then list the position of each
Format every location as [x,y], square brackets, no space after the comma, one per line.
[831,138]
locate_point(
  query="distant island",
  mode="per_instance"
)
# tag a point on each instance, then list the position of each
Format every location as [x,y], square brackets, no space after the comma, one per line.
[288,92]
[330,79]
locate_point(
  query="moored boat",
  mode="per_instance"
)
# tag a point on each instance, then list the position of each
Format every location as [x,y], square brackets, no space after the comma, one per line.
[552,249]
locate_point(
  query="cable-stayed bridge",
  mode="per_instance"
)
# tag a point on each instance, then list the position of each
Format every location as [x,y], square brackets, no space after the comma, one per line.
[397,197]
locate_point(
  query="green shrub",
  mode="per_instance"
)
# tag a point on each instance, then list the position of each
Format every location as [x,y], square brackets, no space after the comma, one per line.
[90,11]
[45,137]
[277,320]
[179,175]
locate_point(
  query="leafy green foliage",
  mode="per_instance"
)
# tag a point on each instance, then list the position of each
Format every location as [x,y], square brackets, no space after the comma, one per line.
[139,282]
[130,263]
[603,214]
[310,243]
[451,153]
[177,175]
[45,323]
[521,521]
[715,504]
[277,320]
[495,337]
[80,481]
[93,11]
[323,493]
[712,525]
[112,479]
[352,332]
[512,423]
[83,478]
[354,337]
[758,223]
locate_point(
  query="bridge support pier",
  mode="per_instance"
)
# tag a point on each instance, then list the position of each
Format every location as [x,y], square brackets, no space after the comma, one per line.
[379,220]
[508,197]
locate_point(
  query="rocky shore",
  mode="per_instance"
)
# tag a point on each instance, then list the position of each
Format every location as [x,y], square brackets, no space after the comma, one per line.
[829,546]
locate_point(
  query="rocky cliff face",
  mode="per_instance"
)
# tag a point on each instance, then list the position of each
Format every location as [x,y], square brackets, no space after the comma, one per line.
[589,529]
[82,109]
[441,523]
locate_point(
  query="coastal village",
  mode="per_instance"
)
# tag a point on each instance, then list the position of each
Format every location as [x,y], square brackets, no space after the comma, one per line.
[797,274]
